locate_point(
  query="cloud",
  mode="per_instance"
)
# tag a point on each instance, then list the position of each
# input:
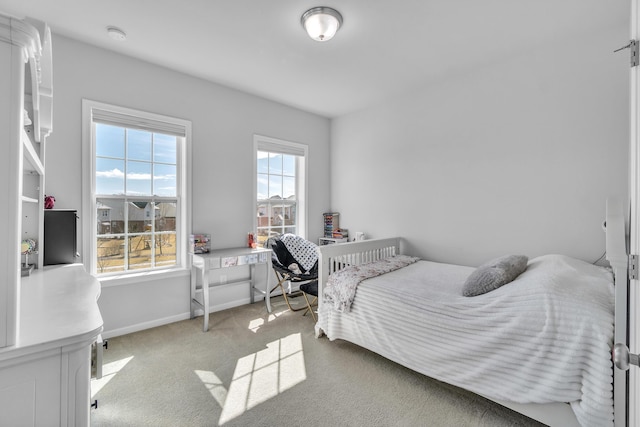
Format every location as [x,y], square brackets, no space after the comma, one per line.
[139,176]
[117,173]
[113,173]
[168,177]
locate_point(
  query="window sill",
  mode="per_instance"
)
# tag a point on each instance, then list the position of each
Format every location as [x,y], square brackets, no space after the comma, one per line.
[142,277]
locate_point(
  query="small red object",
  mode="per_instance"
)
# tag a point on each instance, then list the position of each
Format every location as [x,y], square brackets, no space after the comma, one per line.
[49,201]
[250,242]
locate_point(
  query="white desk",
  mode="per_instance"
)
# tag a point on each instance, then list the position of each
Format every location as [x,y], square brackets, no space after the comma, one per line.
[226,258]
[45,378]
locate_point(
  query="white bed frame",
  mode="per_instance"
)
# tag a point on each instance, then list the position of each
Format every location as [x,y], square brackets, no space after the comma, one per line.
[334,257]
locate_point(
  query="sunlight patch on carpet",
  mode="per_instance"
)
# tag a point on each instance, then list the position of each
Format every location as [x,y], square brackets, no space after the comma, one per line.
[255,324]
[214,385]
[109,371]
[261,376]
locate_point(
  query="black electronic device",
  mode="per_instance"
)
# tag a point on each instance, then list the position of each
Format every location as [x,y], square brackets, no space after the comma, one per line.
[60,236]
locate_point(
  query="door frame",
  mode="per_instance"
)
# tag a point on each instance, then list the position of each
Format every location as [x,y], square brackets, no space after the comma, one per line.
[634,223]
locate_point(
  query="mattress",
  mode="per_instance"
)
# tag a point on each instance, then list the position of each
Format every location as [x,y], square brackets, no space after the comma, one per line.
[545,337]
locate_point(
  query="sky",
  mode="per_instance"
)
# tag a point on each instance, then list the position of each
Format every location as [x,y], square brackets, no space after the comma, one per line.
[135,162]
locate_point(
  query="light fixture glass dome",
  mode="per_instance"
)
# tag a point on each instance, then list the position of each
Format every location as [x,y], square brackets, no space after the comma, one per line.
[321,23]
[116,34]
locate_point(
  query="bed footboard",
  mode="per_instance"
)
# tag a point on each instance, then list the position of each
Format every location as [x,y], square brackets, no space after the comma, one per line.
[337,256]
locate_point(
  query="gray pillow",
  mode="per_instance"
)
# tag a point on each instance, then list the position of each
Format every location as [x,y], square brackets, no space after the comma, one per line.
[493,274]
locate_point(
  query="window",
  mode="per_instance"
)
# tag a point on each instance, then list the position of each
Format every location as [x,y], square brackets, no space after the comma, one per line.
[280,179]
[136,163]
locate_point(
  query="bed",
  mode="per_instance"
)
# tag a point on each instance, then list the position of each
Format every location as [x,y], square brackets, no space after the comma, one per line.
[541,344]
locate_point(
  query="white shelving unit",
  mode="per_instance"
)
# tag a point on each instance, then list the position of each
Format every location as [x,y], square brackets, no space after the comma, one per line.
[38,106]
[25,122]
[322,241]
[32,196]
[26,100]
[49,320]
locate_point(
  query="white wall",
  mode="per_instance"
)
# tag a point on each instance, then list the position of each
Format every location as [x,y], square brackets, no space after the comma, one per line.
[515,156]
[224,121]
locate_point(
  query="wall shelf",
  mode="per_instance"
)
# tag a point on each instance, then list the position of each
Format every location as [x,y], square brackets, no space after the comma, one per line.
[31,157]
[29,199]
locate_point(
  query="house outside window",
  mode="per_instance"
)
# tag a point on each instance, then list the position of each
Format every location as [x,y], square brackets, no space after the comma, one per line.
[281,188]
[139,190]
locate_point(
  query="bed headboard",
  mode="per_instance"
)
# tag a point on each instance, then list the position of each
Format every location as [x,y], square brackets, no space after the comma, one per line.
[339,255]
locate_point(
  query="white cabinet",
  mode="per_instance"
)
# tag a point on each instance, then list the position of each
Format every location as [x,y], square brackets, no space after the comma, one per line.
[49,319]
[27,388]
[46,375]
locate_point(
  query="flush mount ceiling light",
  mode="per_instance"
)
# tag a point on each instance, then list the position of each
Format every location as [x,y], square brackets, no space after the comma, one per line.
[116,34]
[321,23]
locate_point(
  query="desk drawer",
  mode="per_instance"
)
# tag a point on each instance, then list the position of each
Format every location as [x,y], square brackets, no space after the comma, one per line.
[213,262]
[248,259]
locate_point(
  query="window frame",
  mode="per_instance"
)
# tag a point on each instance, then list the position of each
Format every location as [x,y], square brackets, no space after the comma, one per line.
[154,122]
[275,145]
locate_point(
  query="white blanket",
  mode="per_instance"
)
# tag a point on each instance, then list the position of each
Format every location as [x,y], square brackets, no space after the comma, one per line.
[342,285]
[545,337]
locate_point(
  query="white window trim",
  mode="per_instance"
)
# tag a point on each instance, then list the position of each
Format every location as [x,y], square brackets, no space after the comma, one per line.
[89,225]
[266,143]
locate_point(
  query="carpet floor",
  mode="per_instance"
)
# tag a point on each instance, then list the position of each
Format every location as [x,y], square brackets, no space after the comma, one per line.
[258,369]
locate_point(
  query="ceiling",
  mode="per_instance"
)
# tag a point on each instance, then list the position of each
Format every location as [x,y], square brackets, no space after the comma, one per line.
[384,48]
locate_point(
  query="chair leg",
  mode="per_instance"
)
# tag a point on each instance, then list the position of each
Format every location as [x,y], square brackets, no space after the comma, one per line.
[309,306]
[284,294]
[281,279]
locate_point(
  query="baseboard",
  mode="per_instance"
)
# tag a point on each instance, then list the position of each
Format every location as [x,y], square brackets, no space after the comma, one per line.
[184,316]
[144,325]
[228,304]
[171,319]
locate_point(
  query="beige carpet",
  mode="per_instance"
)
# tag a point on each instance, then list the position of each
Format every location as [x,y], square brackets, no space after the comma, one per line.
[255,369]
